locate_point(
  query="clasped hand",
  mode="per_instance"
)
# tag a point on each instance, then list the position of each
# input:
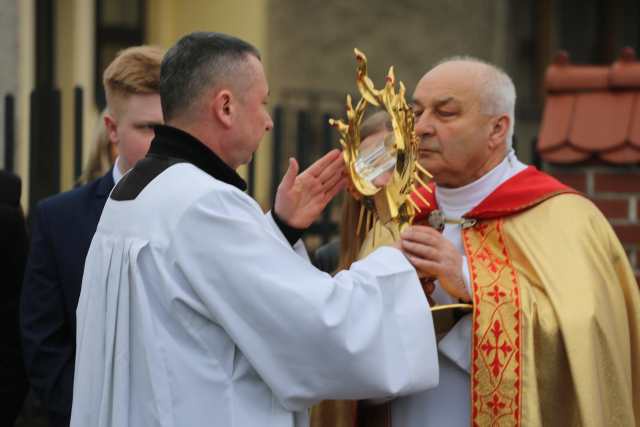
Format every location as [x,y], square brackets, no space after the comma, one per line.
[435,257]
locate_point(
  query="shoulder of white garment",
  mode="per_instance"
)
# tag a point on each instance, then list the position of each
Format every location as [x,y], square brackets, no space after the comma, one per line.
[220,197]
[384,261]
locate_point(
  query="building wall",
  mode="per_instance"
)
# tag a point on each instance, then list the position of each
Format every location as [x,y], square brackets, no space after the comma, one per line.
[311,46]
[73,23]
[312,42]
[9,31]
[75,49]
[26,61]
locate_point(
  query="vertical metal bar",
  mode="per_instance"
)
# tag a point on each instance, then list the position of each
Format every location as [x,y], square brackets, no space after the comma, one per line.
[327,133]
[606,26]
[278,141]
[9,132]
[45,43]
[303,138]
[56,125]
[77,130]
[327,143]
[544,12]
[44,142]
[35,101]
[536,159]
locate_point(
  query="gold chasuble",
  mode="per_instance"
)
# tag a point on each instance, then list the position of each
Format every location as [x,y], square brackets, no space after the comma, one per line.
[556,318]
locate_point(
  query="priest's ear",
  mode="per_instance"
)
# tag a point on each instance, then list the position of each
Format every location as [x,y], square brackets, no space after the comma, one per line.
[222,107]
[499,130]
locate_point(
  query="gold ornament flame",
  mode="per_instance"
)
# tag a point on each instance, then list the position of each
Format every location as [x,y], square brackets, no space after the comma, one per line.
[391,204]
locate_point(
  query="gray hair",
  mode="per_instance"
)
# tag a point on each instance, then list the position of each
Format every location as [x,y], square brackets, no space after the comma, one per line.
[497,91]
[197,62]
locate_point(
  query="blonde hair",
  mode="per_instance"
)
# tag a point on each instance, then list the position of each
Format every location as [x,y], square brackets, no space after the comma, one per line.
[134,71]
[101,158]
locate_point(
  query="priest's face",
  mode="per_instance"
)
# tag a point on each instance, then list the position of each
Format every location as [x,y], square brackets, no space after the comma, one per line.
[130,126]
[453,133]
[254,119]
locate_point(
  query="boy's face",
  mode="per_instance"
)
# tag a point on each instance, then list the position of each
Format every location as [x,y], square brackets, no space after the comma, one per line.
[131,127]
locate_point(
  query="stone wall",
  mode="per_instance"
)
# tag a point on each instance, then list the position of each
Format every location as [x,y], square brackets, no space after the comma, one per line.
[311,43]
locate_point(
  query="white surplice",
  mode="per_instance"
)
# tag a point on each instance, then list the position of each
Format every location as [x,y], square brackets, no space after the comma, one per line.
[449,404]
[196,311]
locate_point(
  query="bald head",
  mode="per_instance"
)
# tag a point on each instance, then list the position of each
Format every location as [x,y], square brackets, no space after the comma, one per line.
[464,118]
[494,90]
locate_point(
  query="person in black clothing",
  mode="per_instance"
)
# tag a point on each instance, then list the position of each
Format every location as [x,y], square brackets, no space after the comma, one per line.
[13,255]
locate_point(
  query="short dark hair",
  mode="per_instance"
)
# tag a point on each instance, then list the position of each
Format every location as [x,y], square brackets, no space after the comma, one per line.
[196,62]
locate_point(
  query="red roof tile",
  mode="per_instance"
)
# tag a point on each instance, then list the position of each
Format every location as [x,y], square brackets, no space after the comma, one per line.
[556,122]
[601,120]
[592,112]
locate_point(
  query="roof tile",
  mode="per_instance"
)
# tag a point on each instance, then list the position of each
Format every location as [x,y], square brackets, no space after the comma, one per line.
[556,121]
[624,155]
[592,112]
[601,120]
[634,128]
[569,78]
[566,154]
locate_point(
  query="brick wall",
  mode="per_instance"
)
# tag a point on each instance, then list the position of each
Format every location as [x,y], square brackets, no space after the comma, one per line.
[616,191]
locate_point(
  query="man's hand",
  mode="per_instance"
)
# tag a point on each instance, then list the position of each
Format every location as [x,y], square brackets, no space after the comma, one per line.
[301,198]
[434,256]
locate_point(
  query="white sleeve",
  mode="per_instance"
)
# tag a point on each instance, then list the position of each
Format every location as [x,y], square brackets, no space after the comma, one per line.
[456,345]
[366,333]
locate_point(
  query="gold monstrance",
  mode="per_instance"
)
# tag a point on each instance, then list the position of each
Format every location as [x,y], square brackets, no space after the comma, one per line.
[387,209]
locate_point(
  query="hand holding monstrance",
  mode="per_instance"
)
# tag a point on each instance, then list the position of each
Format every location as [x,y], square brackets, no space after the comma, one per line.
[385,171]
[382,166]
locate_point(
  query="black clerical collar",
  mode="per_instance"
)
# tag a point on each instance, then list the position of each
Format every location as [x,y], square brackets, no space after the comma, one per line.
[178,144]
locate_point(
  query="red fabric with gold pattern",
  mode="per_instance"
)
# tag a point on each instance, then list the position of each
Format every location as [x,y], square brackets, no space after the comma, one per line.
[496,371]
[496,380]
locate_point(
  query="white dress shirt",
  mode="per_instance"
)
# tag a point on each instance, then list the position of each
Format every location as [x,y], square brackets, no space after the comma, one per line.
[116,172]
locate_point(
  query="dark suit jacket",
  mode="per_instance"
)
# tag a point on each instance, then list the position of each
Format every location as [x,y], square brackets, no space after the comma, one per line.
[13,254]
[327,256]
[62,227]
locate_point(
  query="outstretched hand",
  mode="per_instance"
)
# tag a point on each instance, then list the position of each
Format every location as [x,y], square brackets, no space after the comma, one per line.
[300,199]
